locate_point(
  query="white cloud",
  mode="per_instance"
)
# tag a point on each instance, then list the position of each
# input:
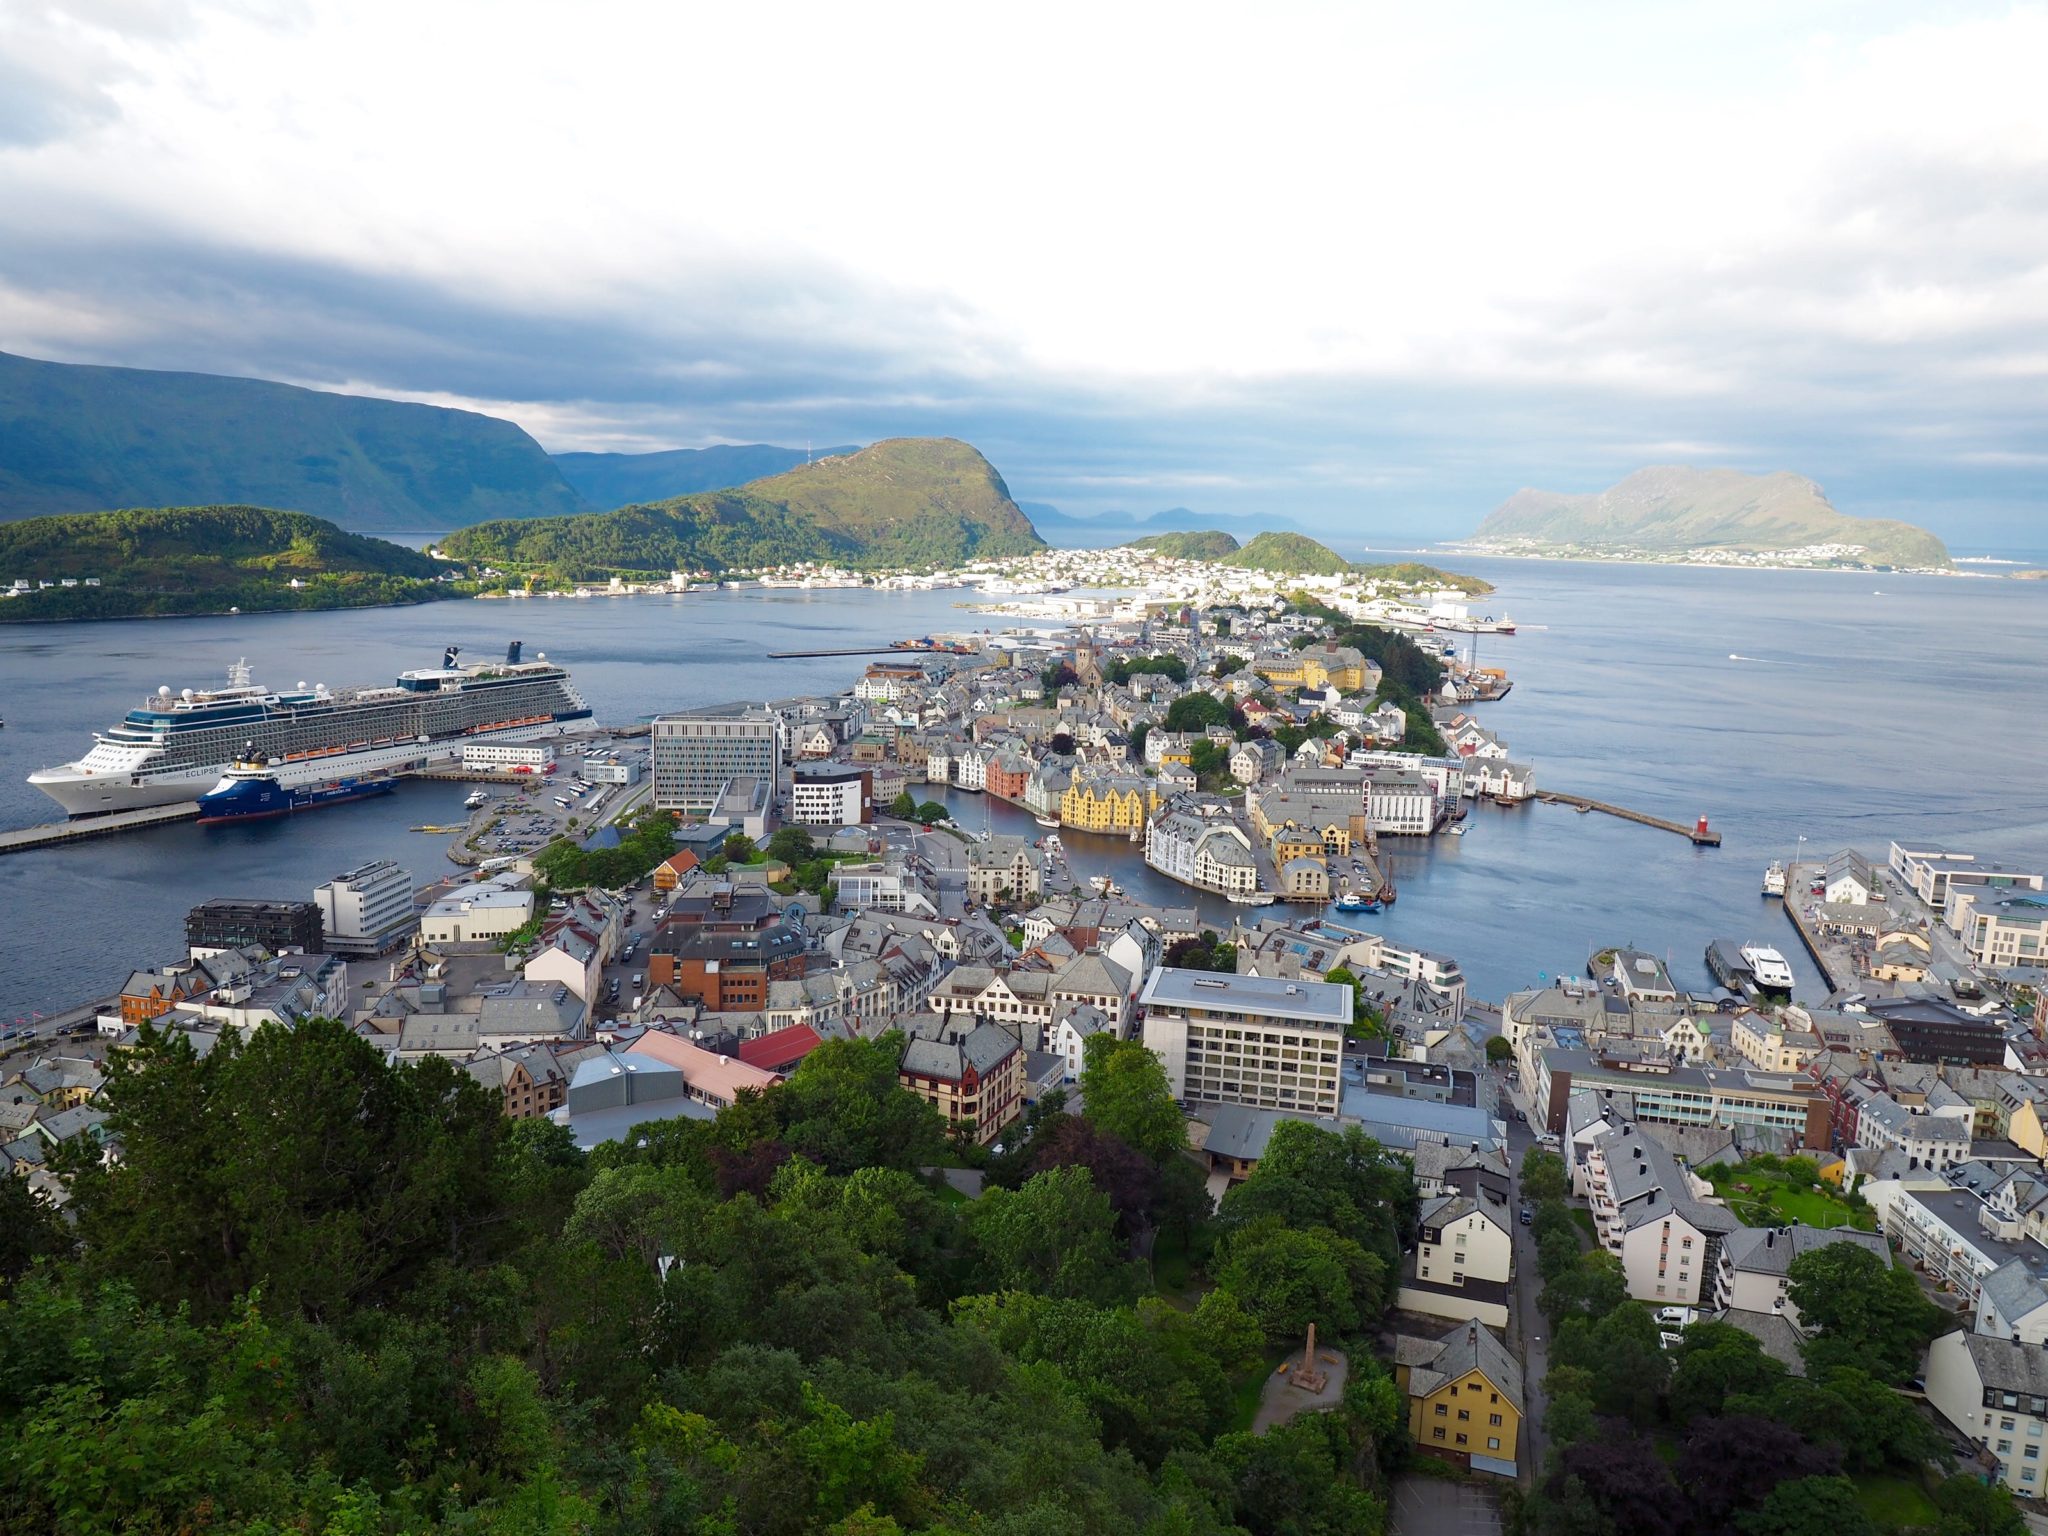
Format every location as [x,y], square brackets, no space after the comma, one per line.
[1724,219]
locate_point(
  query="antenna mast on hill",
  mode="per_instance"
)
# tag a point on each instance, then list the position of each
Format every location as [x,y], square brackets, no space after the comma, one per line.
[807,450]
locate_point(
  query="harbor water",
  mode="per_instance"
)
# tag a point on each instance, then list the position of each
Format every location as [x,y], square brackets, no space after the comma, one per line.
[1847,709]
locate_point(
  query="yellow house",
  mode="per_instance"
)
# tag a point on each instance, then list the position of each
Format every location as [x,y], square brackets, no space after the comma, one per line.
[1292,842]
[1120,803]
[1464,1394]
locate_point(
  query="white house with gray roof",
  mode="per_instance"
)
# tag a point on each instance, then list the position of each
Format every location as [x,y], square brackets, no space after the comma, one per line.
[1996,1393]
[1756,1264]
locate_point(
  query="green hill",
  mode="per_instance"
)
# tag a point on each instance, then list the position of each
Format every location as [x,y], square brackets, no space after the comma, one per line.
[76,438]
[608,480]
[1206,544]
[1289,554]
[1669,510]
[173,560]
[907,501]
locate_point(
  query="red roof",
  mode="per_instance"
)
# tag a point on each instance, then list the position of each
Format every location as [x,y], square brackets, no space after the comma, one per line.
[780,1049]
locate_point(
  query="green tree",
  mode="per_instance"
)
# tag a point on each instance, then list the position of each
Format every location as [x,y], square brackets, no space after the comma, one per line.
[1196,711]
[28,1230]
[1124,1091]
[1543,1176]
[1055,1236]
[793,845]
[1593,1287]
[844,1108]
[1808,1506]
[904,806]
[1715,1362]
[738,847]
[1971,1507]
[1287,1279]
[931,813]
[1866,1313]
[300,1162]
[1498,1050]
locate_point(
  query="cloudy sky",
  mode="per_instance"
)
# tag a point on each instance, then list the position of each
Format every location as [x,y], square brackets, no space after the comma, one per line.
[1368,267]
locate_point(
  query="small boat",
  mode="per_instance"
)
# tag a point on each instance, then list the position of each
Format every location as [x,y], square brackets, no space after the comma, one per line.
[1253,898]
[1583,810]
[1351,903]
[1455,829]
[1774,879]
[1047,821]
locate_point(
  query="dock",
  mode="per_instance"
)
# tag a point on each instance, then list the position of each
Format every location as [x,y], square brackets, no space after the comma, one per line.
[1699,834]
[24,838]
[1796,882]
[865,650]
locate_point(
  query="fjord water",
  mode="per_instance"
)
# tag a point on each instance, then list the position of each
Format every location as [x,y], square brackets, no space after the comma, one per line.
[1868,707]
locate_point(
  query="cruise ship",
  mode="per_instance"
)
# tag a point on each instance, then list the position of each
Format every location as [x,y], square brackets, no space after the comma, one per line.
[178,746]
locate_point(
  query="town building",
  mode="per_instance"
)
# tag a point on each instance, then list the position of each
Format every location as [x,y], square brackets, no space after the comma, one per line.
[1996,1392]
[1248,1040]
[696,758]
[1464,1395]
[483,913]
[367,910]
[235,922]
[830,795]
[976,1081]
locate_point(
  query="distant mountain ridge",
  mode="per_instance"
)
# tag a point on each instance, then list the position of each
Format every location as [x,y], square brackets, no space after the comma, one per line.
[1102,529]
[82,438]
[1670,509]
[902,502]
[607,481]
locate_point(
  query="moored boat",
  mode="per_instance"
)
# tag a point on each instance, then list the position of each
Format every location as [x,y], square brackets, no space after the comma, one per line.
[250,791]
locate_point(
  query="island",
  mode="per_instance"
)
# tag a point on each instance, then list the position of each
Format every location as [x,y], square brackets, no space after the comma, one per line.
[1678,515]
[152,562]
[1279,553]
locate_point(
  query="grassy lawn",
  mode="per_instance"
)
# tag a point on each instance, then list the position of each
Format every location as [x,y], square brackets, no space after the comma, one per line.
[1771,1197]
[1894,1503]
[1171,1267]
[1584,1218]
[948,1195]
[1245,1391]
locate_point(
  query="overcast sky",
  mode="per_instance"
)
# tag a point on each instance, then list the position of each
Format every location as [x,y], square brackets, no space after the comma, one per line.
[1369,267]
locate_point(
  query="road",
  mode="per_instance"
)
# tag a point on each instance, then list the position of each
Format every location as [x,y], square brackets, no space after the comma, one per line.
[1526,1327]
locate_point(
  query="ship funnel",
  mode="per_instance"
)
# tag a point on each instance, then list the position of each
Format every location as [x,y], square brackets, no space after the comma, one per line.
[448,658]
[512,654]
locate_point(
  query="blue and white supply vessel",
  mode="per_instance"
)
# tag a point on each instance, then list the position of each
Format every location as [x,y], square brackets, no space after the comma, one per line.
[249,791]
[178,745]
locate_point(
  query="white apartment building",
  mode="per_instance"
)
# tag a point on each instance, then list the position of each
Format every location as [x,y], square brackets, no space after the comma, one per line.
[1647,1214]
[367,910]
[1927,1140]
[1248,1040]
[1461,1240]
[910,887]
[1401,805]
[829,795]
[1214,855]
[508,755]
[1996,1392]
[478,914]
[1772,1045]
[1756,1264]
[1999,928]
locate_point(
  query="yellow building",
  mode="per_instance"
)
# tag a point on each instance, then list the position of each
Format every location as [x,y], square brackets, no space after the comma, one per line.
[1119,803]
[1320,666]
[1464,1394]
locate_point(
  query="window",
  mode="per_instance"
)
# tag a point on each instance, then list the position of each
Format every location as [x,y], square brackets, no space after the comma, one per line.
[1442,1411]
[1439,1432]
[1464,1415]
[2005,1423]
[1493,1420]
[1461,1439]
[1493,1442]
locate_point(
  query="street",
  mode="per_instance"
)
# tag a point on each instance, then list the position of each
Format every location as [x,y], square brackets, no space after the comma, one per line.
[1525,1324]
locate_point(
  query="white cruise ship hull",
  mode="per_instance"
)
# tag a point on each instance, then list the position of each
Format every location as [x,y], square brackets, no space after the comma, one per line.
[98,794]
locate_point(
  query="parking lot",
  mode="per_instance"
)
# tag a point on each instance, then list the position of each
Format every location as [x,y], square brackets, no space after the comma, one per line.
[1428,1506]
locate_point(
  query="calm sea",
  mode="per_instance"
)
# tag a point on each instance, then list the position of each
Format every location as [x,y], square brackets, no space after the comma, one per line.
[1863,708]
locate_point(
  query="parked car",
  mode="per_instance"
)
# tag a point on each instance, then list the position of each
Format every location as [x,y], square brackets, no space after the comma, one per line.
[1527,1215]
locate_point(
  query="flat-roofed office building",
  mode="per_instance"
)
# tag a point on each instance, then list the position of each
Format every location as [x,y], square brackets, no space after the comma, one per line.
[1263,1041]
[695,756]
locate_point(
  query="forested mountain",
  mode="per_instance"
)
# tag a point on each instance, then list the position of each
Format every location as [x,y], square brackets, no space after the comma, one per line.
[906,501]
[173,560]
[1205,544]
[609,480]
[78,438]
[1671,509]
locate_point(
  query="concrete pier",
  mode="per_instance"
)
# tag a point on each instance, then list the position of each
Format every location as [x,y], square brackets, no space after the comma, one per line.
[23,838]
[1700,835]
